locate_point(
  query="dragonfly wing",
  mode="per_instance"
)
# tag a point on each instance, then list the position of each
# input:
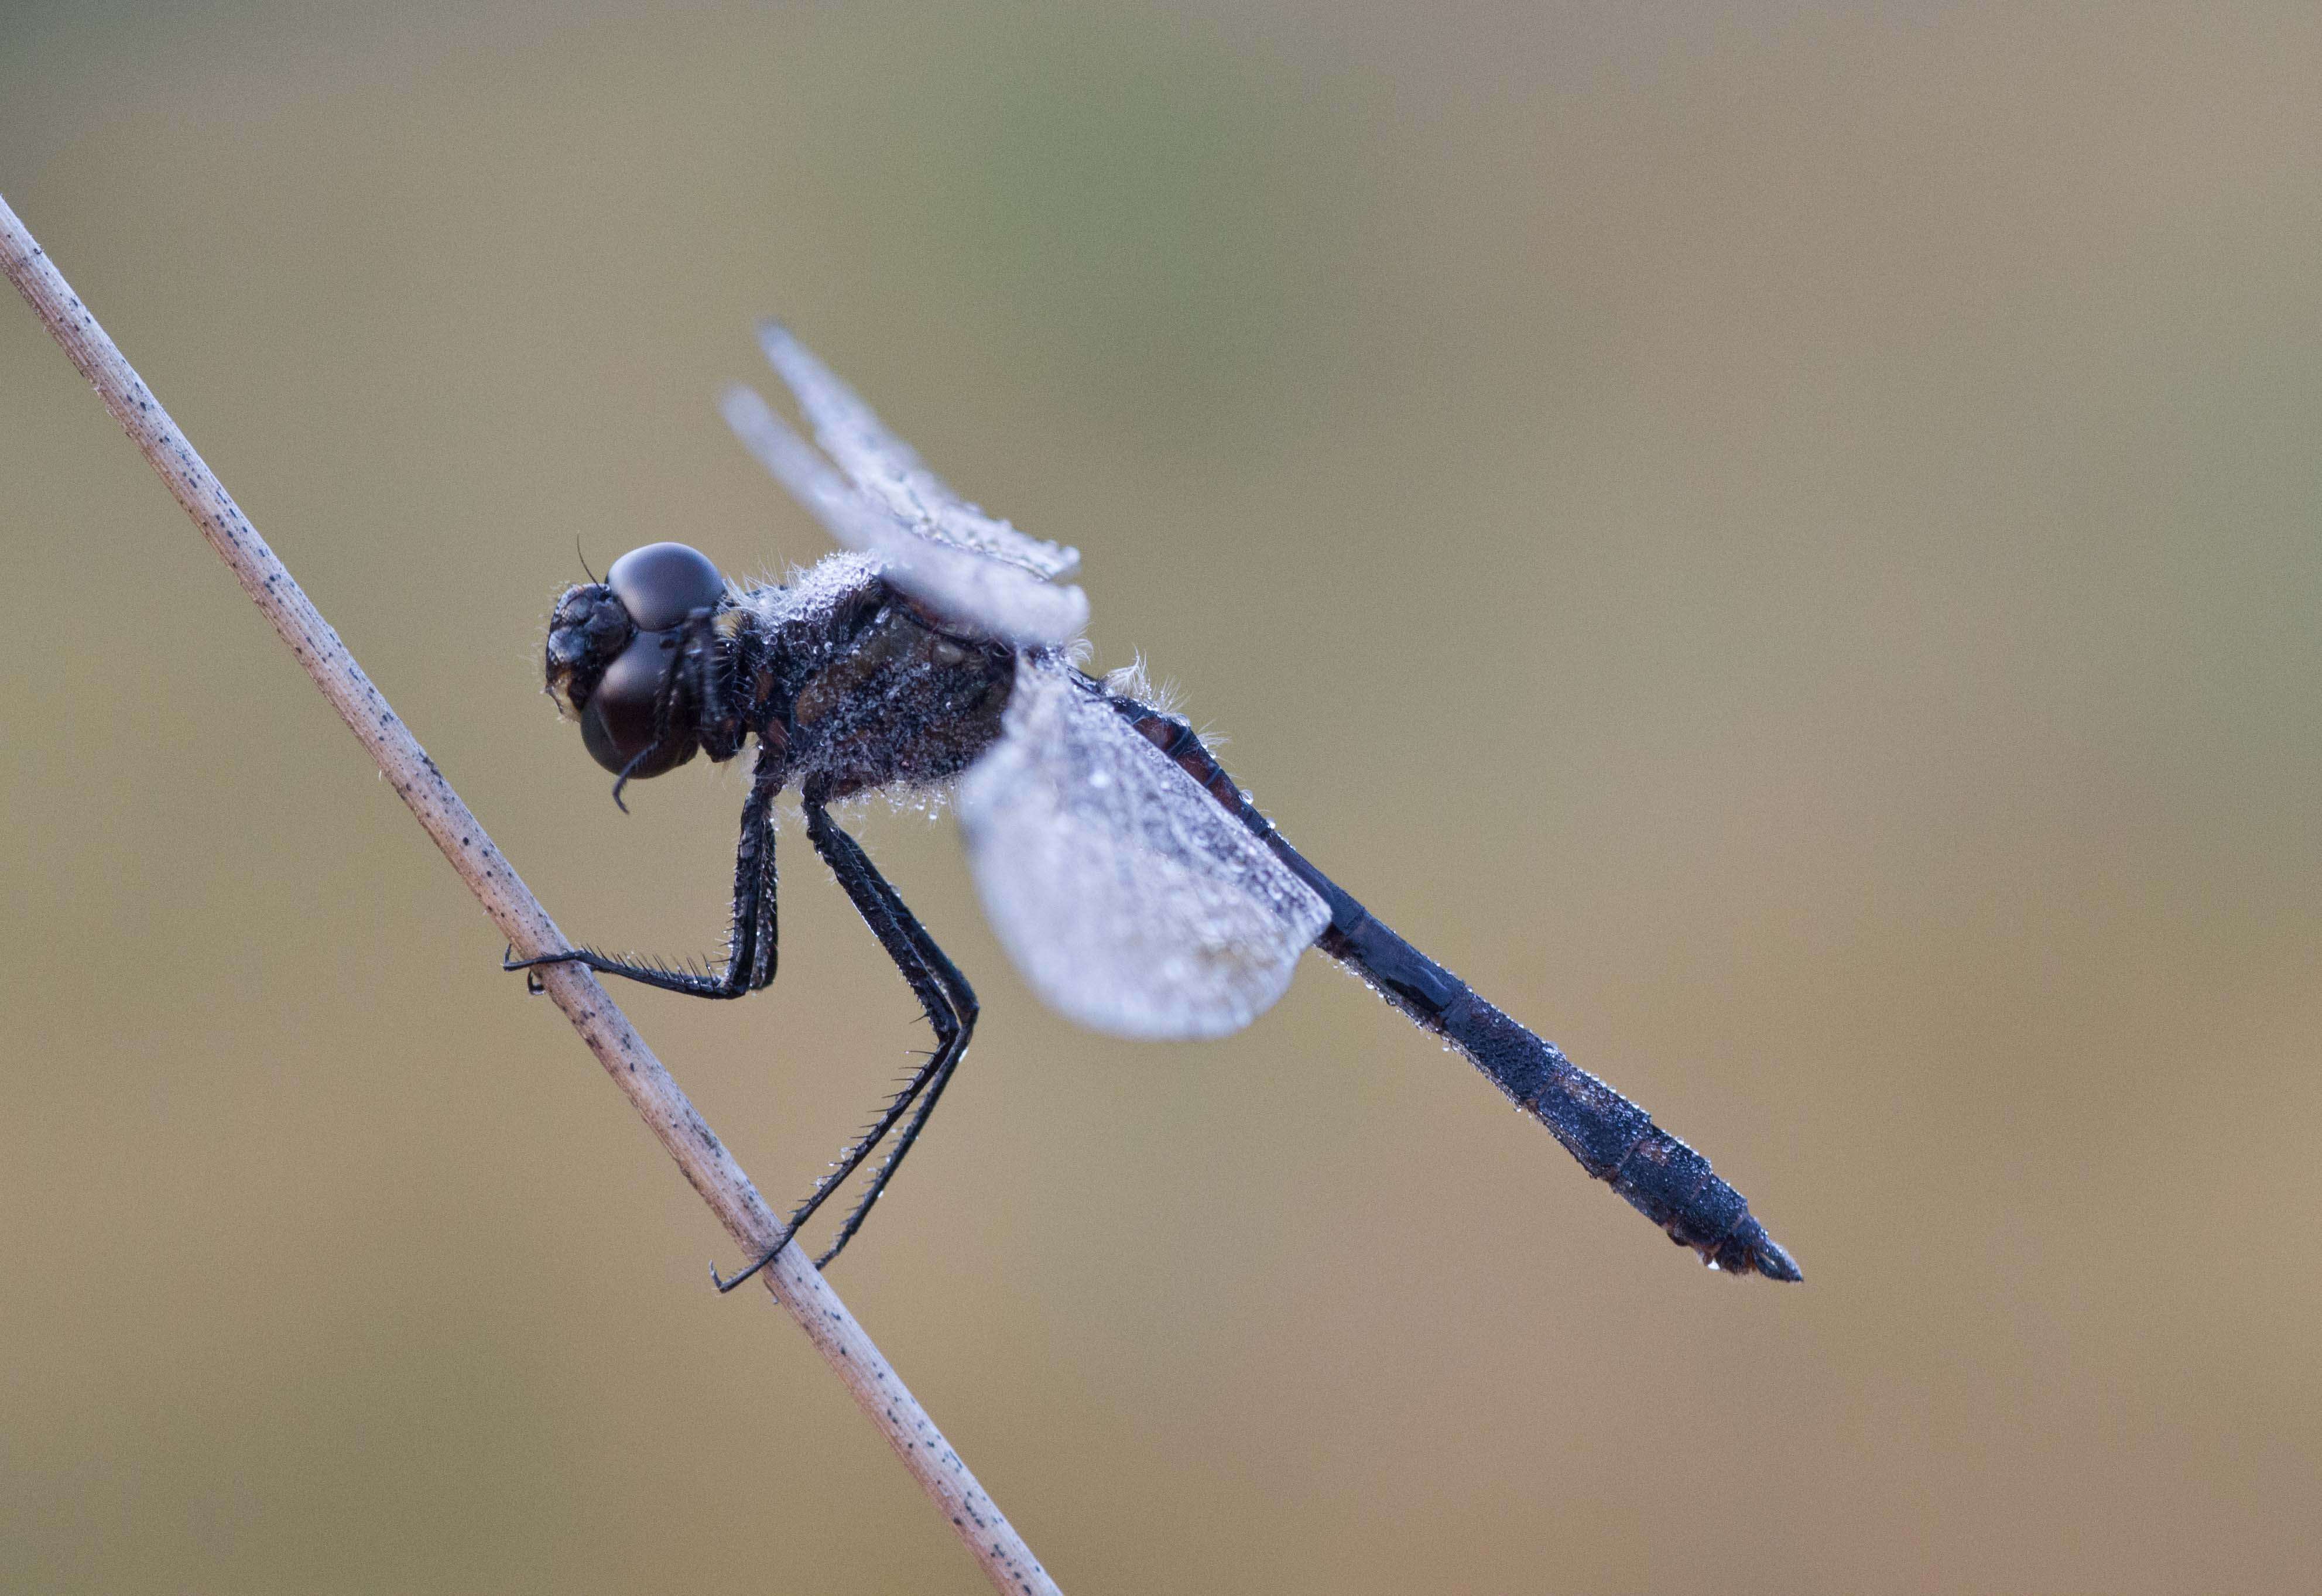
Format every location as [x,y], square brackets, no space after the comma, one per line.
[1130,899]
[999,598]
[887,470]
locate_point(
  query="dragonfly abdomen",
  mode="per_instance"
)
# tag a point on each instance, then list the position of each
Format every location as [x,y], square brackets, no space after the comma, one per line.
[1613,1139]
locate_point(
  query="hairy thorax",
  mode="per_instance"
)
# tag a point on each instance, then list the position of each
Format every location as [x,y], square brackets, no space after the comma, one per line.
[885,696]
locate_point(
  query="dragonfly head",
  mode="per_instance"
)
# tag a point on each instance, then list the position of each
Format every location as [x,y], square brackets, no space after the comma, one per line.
[613,653]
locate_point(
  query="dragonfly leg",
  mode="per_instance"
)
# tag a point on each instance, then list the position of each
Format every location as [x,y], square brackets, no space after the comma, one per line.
[750,954]
[946,998]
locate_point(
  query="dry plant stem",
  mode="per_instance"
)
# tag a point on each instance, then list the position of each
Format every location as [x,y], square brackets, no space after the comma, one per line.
[790,1280]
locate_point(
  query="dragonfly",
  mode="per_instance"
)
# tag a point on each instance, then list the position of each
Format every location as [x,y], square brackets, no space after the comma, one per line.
[1135,886]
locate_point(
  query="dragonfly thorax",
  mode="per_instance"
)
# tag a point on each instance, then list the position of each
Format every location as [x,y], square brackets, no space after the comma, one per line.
[893,699]
[848,682]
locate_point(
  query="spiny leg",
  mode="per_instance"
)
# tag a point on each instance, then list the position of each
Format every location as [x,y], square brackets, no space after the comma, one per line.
[936,1083]
[945,997]
[844,1169]
[751,949]
[938,1075]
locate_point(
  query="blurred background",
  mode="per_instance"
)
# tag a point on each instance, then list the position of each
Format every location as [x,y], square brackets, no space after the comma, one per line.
[1778,541]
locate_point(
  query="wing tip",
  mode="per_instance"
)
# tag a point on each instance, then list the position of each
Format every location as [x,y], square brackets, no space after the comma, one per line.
[740,399]
[797,365]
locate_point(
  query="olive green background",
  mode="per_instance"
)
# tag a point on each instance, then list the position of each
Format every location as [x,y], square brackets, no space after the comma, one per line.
[1780,542]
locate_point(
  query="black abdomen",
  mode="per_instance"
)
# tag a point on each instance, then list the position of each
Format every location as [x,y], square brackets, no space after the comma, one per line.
[1612,1138]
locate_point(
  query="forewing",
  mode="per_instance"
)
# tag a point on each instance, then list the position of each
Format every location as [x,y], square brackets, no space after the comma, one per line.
[1130,899]
[1001,599]
[886,469]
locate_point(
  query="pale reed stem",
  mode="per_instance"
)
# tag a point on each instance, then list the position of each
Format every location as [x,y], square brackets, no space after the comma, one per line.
[790,1280]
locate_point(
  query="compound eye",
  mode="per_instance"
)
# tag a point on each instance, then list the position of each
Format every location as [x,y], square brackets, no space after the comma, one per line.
[662,583]
[617,726]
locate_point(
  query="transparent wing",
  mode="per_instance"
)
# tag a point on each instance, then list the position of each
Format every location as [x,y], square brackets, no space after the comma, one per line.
[1003,599]
[1131,901]
[886,469]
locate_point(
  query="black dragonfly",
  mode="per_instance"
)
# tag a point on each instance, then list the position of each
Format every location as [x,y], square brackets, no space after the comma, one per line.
[1135,885]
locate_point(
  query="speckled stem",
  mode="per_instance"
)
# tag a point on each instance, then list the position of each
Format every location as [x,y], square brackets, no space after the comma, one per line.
[790,1280]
